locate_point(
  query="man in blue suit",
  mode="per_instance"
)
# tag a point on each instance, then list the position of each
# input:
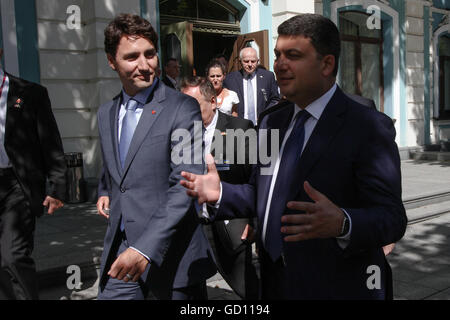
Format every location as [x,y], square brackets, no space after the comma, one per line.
[153,240]
[333,198]
[255,86]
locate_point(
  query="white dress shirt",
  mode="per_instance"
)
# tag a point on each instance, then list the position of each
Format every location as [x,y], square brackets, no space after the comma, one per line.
[255,96]
[4,160]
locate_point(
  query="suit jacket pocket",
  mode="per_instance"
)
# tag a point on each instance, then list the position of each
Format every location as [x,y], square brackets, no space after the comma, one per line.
[230,234]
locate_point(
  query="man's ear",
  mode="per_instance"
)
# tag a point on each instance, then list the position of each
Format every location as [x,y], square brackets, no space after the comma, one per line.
[111,61]
[328,63]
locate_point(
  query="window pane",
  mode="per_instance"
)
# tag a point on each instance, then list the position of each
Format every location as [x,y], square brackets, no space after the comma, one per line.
[447,84]
[211,10]
[183,8]
[197,9]
[355,23]
[371,72]
[347,67]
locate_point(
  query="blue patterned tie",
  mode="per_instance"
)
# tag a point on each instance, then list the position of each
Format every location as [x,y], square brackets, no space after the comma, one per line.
[129,124]
[289,161]
[250,100]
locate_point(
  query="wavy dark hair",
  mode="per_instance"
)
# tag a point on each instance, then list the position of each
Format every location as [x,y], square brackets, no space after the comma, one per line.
[128,25]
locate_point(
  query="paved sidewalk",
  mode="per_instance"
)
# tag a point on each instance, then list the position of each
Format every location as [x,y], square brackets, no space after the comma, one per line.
[420,261]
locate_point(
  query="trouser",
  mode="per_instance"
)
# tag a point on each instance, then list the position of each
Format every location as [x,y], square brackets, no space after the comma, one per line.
[17,224]
[115,289]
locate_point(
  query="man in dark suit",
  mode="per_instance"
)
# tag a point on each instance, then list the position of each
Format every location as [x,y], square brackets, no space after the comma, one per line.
[332,200]
[230,240]
[171,71]
[255,87]
[362,100]
[154,240]
[30,152]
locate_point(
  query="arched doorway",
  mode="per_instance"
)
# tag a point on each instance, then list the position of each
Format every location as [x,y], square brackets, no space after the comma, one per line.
[194,31]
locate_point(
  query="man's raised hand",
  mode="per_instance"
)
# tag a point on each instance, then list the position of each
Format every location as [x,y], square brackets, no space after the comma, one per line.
[204,187]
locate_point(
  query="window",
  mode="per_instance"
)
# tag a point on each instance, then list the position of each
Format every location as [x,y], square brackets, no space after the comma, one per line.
[199,10]
[444,77]
[361,62]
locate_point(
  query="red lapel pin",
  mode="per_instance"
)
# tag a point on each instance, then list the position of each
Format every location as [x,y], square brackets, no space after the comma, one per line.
[153,112]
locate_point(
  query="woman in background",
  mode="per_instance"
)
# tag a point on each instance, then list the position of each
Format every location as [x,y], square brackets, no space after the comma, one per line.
[227,100]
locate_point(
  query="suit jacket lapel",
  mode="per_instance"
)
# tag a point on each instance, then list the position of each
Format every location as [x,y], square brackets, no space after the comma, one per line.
[12,116]
[326,129]
[114,131]
[150,113]
[261,102]
[240,86]
[277,121]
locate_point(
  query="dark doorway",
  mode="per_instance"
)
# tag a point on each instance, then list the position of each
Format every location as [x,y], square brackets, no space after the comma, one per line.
[207,45]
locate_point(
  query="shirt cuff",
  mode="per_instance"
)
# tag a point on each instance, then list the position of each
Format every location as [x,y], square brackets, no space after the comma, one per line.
[344,240]
[217,204]
[141,254]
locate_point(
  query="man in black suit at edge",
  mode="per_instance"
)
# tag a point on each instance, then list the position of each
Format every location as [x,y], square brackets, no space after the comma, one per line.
[30,151]
[230,240]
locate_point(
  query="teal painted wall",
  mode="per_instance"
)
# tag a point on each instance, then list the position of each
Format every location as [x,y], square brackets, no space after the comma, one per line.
[265,22]
[27,41]
[326,8]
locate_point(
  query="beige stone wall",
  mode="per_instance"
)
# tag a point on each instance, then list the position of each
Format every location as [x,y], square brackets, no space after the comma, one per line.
[74,69]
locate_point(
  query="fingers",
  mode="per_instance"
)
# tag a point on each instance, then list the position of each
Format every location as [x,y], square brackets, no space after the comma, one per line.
[307,207]
[188,184]
[188,176]
[313,193]
[211,163]
[245,233]
[52,204]
[103,206]
[128,266]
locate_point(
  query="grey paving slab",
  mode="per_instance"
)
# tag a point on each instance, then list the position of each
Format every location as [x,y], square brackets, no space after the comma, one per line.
[424,177]
[442,295]
[411,291]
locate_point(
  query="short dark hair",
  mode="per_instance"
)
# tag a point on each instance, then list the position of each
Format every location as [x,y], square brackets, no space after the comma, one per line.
[215,63]
[322,32]
[170,59]
[128,25]
[206,88]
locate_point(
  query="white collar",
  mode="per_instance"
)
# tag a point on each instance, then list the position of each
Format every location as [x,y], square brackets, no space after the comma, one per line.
[317,107]
[213,123]
[141,96]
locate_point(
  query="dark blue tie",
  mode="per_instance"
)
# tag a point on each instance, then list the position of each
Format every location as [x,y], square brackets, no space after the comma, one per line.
[289,161]
[129,124]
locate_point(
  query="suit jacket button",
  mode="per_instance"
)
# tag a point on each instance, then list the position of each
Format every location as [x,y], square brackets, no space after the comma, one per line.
[122,189]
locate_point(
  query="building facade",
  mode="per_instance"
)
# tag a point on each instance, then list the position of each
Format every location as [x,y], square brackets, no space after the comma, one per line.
[396,52]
